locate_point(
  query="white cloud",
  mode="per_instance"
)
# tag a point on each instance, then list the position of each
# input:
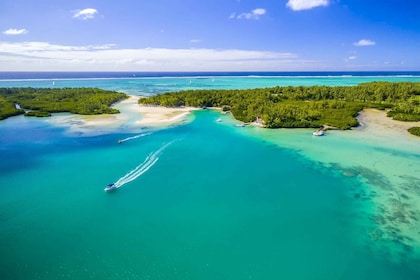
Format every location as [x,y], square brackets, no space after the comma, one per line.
[43,56]
[254,14]
[195,41]
[298,5]
[14,31]
[350,58]
[25,48]
[364,43]
[84,14]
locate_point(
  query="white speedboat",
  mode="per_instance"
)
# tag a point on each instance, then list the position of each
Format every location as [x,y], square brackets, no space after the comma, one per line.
[110,188]
[318,133]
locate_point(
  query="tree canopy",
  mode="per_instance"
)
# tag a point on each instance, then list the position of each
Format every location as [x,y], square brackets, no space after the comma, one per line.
[304,106]
[42,102]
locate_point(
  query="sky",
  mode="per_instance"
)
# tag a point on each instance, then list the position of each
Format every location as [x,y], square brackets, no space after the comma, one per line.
[210,35]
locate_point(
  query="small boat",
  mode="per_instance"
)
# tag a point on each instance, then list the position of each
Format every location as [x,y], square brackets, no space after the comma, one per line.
[318,133]
[240,124]
[110,187]
[218,120]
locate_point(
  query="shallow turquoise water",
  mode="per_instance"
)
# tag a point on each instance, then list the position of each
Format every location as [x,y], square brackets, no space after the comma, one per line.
[220,202]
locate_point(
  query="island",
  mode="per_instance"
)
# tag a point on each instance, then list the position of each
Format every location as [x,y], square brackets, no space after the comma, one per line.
[41,102]
[304,106]
[318,107]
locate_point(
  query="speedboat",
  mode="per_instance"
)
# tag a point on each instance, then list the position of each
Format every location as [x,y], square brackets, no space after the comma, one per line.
[110,188]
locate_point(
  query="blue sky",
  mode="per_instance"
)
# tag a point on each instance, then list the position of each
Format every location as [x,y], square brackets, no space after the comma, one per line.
[209,35]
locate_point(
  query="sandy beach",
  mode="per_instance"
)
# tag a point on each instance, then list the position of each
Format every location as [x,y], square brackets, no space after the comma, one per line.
[374,119]
[132,118]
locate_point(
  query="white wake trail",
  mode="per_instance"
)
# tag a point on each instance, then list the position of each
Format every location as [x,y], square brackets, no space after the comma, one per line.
[132,173]
[140,170]
[148,163]
[134,137]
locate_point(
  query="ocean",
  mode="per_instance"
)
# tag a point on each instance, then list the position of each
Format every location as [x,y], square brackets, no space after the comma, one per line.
[206,199]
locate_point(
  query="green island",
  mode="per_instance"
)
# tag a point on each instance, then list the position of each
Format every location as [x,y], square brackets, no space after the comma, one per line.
[41,102]
[304,106]
[276,107]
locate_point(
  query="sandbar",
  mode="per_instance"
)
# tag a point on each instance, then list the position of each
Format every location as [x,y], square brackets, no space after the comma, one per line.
[132,118]
[377,119]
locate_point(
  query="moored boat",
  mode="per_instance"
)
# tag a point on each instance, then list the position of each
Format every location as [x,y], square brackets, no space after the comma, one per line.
[318,132]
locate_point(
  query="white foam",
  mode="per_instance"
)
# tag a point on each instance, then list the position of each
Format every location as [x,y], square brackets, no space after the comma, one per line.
[142,168]
[134,137]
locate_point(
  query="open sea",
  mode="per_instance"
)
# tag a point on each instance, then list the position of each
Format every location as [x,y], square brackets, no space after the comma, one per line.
[206,199]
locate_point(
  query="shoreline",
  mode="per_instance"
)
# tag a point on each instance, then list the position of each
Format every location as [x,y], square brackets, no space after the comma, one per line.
[133,117]
[378,124]
[375,117]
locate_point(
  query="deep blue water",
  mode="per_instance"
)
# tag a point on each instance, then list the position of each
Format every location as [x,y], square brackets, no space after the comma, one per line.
[91,75]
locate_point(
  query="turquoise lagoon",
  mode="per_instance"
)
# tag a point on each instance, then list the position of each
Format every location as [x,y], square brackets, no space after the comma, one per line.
[206,199]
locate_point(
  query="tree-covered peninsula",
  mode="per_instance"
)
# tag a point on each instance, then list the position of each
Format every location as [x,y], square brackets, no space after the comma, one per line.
[42,102]
[304,106]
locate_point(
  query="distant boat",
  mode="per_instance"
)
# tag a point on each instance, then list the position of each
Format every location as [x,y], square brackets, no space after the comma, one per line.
[218,120]
[53,83]
[240,124]
[110,188]
[319,132]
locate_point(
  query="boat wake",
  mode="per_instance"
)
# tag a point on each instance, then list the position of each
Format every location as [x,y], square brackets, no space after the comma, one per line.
[133,137]
[141,168]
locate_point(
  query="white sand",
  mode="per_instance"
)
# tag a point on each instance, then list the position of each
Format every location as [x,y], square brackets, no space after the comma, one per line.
[133,118]
[157,116]
[376,120]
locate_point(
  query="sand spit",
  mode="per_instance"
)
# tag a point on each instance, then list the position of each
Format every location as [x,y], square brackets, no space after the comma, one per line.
[133,118]
[376,120]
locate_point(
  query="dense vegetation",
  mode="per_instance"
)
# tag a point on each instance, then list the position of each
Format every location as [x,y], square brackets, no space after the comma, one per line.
[41,102]
[414,130]
[304,106]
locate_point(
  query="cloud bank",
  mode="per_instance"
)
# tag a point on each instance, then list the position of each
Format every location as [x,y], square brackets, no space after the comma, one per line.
[43,56]
[85,14]
[298,5]
[13,31]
